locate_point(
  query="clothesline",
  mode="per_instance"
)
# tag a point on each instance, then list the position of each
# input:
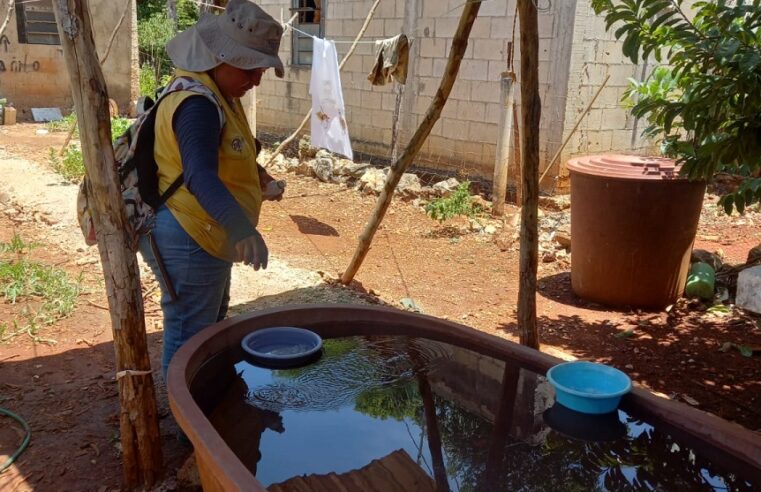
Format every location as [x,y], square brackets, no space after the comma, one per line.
[316,37]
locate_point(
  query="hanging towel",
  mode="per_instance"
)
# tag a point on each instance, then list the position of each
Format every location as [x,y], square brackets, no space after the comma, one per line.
[391,59]
[329,129]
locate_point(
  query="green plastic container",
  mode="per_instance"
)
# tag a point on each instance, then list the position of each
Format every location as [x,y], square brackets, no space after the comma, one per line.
[700,281]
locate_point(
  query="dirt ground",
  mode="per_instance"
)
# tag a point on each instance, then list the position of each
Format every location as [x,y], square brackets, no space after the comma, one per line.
[66,390]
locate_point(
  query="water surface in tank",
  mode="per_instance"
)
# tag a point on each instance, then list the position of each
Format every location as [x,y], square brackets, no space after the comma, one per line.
[427,416]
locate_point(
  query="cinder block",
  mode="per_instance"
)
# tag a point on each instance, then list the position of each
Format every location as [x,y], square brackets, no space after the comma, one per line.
[485,91]
[481,28]
[380,119]
[482,132]
[472,111]
[493,9]
[455,129]
[435,9]
[371,100]
[749,289]
[445,27]
[488,49]
[439,65]
[432,47]
[425,67]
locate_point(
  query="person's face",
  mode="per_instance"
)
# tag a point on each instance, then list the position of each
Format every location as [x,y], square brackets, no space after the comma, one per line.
[235,82]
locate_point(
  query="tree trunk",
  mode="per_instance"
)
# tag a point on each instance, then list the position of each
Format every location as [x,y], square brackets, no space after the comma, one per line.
[459,44]
[171,12]
[213,6]
[7,18]
[531,109]
[140,439]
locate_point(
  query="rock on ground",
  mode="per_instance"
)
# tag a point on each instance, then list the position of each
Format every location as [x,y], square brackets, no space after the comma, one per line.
[749,289]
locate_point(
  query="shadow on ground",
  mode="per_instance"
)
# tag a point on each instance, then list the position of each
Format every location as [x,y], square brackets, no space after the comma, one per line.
[678,355]
[70,401]
[558,288]
[312,226]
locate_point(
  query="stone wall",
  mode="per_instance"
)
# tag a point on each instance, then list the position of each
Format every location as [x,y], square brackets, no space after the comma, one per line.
[34,75]
[575,54]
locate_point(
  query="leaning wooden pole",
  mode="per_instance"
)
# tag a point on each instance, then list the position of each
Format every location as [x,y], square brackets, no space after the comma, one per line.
[459,44]
[531,112]
[348,54]
[140,439]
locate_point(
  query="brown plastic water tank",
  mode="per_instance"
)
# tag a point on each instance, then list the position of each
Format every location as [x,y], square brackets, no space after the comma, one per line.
[633,223]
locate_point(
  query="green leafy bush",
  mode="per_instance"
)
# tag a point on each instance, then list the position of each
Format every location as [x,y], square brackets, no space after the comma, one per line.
[148,83]
[71,166]
[63,125]
[118,127]
[458,203]
[705,101]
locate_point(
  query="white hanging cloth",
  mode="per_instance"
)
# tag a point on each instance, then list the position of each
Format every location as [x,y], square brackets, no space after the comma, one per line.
[328,125]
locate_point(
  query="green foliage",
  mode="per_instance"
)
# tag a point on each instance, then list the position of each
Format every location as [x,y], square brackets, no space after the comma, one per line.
[148,8]
[154,30]
[398,402]
[118,127]
[17,246]
[50,293]
[187,11]
[72,166]
[149,85]
[458,203]
[706,103]
[64,125]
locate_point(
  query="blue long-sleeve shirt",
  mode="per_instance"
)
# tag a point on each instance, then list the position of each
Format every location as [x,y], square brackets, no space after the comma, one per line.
[196,127]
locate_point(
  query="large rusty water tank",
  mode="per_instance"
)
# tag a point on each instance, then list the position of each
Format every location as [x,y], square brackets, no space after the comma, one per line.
[633,223]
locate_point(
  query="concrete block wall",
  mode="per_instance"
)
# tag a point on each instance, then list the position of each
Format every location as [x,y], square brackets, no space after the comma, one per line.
[34,75]
[608,126]
[574,54]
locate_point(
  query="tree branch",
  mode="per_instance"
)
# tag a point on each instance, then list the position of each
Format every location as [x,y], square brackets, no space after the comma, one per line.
[11,6]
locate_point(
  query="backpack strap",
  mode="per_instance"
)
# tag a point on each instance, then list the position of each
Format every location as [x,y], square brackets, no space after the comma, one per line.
[143,144]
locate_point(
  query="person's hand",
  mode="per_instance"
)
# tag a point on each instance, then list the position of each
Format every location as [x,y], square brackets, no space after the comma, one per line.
[252,250]
[271,190]
[274,191]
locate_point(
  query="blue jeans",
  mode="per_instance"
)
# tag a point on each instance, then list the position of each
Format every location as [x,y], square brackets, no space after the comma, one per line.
[201,282]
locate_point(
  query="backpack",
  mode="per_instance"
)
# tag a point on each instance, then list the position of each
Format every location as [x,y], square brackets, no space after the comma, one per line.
[136,168]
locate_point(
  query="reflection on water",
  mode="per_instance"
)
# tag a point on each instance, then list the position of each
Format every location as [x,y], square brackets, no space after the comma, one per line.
[413,414]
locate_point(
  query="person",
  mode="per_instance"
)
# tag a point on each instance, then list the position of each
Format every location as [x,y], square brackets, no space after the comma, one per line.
[210,221]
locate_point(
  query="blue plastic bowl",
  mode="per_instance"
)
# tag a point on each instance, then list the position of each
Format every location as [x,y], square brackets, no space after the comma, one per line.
[282,347]
[588,387]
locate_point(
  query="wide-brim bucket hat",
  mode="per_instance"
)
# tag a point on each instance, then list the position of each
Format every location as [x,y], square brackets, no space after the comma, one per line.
[244,36]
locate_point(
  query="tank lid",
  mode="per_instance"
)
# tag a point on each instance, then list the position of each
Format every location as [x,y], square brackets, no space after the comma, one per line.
[626,167]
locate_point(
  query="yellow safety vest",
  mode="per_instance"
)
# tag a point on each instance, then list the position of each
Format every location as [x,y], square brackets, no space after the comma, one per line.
[237,169]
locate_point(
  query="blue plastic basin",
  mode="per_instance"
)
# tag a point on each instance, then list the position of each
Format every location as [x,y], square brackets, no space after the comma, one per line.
[588,387]
[282,347]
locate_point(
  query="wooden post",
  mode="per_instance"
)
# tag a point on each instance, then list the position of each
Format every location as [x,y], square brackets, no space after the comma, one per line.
[140,439]
[531,109]
[459,44]
[575,127]
[517,159]
[504,145]
[304,122]
[8,13]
